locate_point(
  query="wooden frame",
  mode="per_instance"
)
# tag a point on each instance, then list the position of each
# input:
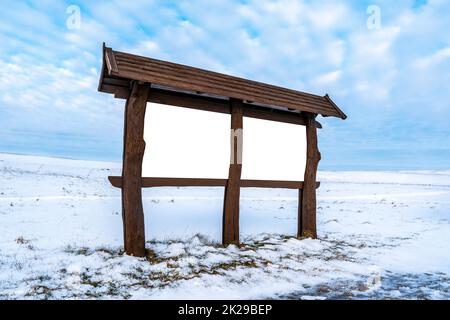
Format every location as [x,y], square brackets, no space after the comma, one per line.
[140,80]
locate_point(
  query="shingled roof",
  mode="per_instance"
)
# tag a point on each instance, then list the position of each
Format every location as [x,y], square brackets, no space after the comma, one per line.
[120,68]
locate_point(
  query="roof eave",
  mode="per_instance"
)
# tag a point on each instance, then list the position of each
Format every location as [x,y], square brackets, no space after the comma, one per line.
[340,113]
[110,69]
[102,72]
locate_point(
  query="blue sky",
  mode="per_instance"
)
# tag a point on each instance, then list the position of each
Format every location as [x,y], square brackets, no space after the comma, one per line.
[392,82]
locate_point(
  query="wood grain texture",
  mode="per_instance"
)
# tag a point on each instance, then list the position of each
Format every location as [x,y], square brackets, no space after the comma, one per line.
[279,184]
[230,225]
[134,146]
[308,211]
[180,77]
[299,213]
[343,115]
[223,106]
[110,60]
[150,182]
[129,76]
[205,103]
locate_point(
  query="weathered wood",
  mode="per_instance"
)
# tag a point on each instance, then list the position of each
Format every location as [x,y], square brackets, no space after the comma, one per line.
[170,69]
[119,92]
[129,76]
[181,77]
[186,100]
[308,211]
[149,182]
[341,113]
[281,184]
[134,146]
[223,106]
[169,72]
[299,213]
[110,60]
[205,103]
[251,111]
[230,225]
[271,184]
[190,84]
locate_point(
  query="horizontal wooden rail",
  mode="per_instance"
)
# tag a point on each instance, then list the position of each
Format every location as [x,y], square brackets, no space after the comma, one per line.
[271,184]
[148,182]
[172,182]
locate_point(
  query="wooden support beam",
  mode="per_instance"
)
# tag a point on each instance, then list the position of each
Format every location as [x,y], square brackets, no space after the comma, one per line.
[230,225]
[134,146]
[223,106]
[172,182]
[190,101]
[308,194]
[148,182]
[251,111]
[300,213]
[280,184]
[204,103]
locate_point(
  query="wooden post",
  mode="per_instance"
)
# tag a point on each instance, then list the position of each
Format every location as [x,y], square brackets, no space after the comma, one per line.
[230,224]
[134,146]
[299,214]
[307,214]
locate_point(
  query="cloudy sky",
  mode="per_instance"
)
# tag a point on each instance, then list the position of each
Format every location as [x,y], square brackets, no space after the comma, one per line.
[391,79]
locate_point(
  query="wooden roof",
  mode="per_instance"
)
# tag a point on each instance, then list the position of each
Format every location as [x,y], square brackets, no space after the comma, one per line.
[120,68]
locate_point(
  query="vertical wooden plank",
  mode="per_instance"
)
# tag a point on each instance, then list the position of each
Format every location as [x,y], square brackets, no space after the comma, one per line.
[300,215]
[230,224]
[123,166]
[308,213]
[134,146]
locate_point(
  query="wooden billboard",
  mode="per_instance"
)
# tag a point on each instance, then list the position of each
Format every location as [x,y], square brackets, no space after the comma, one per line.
[140,80]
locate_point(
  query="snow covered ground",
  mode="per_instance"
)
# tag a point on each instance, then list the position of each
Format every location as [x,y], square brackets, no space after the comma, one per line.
[381,235]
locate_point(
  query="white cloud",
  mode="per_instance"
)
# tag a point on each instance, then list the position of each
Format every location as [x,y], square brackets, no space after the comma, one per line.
[327,78]
[147,48]
[326,16]
[436,58]
[54,98]
[315,46]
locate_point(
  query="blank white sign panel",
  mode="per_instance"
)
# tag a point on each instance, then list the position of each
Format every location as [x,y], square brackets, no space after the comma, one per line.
[185,143]
[273,150]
